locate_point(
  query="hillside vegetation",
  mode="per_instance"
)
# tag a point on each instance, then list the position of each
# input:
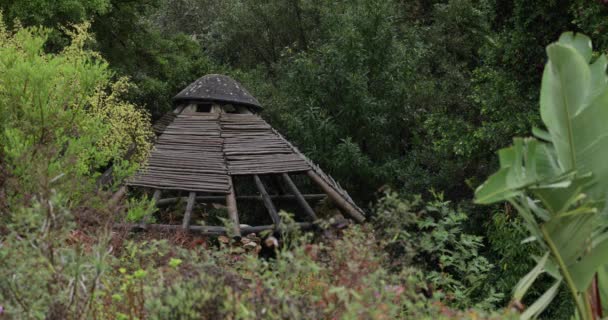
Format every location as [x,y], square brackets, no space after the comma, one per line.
[472,132]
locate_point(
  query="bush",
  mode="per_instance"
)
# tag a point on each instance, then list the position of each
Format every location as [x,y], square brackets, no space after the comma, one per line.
[429,235]
[62,115]
[342,280]
[62,119]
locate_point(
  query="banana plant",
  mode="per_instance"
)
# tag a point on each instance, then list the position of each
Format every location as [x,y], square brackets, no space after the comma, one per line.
[558,180]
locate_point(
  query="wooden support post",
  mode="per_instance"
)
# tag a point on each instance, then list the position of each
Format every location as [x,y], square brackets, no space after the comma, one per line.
[294,189]
[338,199]
[188,213]
[232,209]
[267,201]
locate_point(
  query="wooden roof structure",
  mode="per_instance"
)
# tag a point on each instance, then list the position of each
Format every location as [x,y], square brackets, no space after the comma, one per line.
[200,153]
[216,88]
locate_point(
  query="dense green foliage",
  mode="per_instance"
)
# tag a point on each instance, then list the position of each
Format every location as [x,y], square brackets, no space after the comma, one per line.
[62,115]
[430,236]
[414,95]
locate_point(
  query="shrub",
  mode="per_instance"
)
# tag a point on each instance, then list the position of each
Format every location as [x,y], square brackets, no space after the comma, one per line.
[429,235]
[62,116]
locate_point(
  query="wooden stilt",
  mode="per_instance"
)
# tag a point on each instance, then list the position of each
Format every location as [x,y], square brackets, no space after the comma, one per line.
[294,189]
[272,210]
[188,213]
[338,199]
[232,209]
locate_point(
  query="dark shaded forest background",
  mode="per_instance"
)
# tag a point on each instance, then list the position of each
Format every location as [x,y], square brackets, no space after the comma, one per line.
[414,96]
[410,94]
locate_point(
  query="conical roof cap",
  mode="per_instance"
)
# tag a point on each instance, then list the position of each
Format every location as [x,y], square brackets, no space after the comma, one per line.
[216,88]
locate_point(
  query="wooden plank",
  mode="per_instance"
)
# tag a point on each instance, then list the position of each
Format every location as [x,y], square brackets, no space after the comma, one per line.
[188,213]
[232,209]
[294,189]
[338,199]
[272,210]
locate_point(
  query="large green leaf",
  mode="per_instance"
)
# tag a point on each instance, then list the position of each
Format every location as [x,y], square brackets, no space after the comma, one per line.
[526,282]
[560,185]
[541,303]
[574,107]
[526,163]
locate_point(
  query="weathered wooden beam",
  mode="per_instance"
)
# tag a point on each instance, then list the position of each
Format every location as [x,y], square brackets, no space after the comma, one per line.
[203,230]
[337,198]
[232,209]
[188,213]
[272,210]
[294,189]
[287,197]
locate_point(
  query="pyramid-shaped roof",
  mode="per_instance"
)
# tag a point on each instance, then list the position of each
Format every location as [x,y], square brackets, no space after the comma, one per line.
[201,153]
[216,88]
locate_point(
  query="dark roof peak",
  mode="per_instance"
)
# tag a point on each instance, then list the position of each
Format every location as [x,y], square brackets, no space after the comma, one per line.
[217,88]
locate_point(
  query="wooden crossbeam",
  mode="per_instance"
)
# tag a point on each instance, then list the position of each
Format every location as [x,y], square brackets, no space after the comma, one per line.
[272,210]
[232,209]
[188,213]
[294,189]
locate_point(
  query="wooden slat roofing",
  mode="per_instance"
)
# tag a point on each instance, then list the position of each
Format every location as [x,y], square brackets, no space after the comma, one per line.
[199,151]
[252,147]
[187,156]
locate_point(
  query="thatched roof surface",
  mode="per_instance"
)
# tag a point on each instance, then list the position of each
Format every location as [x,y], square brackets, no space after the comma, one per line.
[216,88]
